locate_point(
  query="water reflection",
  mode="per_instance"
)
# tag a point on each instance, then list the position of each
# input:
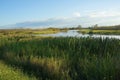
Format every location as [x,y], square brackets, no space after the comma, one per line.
[74,33]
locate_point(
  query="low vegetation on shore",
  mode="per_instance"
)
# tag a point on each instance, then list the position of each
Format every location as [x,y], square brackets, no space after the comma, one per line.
[107,30]
[28,32]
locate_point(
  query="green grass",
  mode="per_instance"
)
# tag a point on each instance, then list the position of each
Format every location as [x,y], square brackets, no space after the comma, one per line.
[106,32]
[28,32]
[64,58]
[10,73]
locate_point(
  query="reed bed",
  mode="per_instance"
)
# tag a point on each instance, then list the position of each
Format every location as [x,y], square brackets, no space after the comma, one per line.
[64,58]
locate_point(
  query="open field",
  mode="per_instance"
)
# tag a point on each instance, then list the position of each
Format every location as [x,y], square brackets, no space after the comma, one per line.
[64,58]
[106,32]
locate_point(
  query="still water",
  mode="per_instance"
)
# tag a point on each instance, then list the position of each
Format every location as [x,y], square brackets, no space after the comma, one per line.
[74,33]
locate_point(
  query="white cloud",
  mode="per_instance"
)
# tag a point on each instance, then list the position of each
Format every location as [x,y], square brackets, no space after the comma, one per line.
[104,14]
[77,14]
[87,19]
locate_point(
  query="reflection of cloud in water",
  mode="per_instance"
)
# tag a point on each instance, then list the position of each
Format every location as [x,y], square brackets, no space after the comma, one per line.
[74,33]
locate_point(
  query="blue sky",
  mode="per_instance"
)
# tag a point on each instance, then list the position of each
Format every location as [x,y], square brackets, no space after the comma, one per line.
[25,13]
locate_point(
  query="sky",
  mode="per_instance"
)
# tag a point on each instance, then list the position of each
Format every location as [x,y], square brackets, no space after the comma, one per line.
[58,13]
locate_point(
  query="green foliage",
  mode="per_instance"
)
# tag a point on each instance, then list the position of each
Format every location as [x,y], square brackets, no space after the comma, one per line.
[64,58]
[104,32]
[9,73]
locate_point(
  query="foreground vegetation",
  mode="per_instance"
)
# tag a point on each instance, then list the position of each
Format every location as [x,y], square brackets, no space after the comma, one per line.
[64,58]
[9,73]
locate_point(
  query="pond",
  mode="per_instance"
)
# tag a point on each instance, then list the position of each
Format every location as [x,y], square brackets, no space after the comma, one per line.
[74,33]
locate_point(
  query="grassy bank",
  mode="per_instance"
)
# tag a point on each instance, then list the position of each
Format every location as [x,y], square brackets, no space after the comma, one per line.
[64,58]
[27,32]
[106,32]
[10,73]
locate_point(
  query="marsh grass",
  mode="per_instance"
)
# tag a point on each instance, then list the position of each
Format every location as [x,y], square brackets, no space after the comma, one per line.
[23,33]
[10,73]
[105,32]
[64,58]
